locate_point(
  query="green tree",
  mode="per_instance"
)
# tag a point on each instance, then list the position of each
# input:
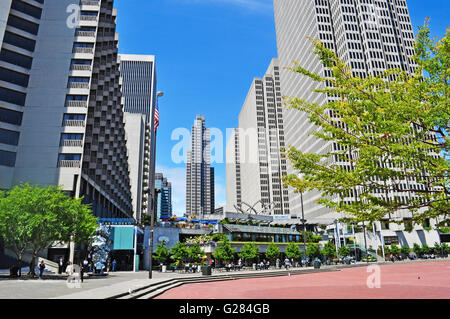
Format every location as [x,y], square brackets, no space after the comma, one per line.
[293,251]
[425,249]
[33,217]
[329,250]
[344,251]
[180,252]
[445,248]
[395,250]
[249,252]
[272,252]
[195,253]
[389,128]
[219,237]
[437,249]
[313,251]
[162,253]
[417,249]
[405,250]
[224,251]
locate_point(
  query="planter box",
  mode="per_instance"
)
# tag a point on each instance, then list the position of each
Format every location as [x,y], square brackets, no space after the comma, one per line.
[206,270]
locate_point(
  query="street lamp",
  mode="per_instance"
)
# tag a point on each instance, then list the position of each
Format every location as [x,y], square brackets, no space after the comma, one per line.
[304,226]
[152,225]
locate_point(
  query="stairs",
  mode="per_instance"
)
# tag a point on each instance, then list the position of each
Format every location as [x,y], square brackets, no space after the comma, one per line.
[156,289]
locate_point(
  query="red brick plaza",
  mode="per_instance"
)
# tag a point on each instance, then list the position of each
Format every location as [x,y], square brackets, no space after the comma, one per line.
[419,280]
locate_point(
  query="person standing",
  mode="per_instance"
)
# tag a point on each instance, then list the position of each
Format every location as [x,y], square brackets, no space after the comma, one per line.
[60,265]
[81,272]
[41,269]
[69,268]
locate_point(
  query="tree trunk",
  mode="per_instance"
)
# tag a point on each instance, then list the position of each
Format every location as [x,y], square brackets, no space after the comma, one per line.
[32,273]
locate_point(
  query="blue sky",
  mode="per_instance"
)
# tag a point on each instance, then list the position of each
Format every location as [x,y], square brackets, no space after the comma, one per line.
[207,53]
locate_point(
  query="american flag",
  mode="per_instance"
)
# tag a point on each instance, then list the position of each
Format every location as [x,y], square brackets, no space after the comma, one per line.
[156,123]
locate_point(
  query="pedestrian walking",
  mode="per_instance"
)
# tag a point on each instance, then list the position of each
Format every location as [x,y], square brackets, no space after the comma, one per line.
[69,268]
[81,272]
[286,263]
[41,269]
[60,265]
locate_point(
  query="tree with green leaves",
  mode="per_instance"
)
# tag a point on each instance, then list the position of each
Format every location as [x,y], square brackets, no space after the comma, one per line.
[437,249]
[387,128]
[162,253]
[426,249]
[329,250]
[313,251]
[344,251]
[417,249]
[293,251]
[195,253]
[405,250]
[395,250]
[272,252]
[224,251]
[445,248]
[180,252]
[249,252]
[219,237]
[33,217]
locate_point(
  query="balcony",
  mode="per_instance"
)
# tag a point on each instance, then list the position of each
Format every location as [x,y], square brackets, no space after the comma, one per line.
[74,123]
[83,50]
[76,104]
[80,67]
[90,3]
[90,34]
[69,164]
[71,143]
[88,18]
[78,85]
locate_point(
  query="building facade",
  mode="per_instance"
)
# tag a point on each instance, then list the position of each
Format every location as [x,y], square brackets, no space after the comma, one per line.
[256,166]
[199,173]
[370,36]
[61,118]
[164,197]
[138,74]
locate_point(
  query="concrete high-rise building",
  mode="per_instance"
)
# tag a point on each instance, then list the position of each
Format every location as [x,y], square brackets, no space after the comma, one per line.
[370,36]
[199,173]
[138,74]
[254,150]
[61,118]
[164,197]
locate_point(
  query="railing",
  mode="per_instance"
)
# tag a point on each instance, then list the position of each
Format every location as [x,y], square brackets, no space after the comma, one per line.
[80,67]
[72,143]
[76,103]
[89,3]
[78,85]
[69,164]
[83,50]
[80,123]
[85,34]
[88,18]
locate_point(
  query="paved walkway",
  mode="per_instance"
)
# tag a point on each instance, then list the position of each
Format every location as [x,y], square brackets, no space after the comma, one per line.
[416,280]
[115,283]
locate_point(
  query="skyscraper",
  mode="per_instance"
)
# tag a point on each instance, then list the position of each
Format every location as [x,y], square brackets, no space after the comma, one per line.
[138,74]
[61,118]
[256,167]
[164,197]
[199,173]
[369,35]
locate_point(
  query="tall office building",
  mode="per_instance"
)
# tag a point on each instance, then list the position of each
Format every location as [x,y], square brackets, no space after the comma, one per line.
[138,74]
[61,118]
[164,197]
[199,173]
[369,35]
[255,148]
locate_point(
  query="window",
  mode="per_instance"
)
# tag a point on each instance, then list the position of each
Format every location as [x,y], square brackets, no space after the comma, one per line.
[69,157]
[16,58]
[7,158]
[9,137]
[23,24]
[13,97]
[27,9]
[74,117]
[71,137]
[14,77]
[19,41]
[11,117]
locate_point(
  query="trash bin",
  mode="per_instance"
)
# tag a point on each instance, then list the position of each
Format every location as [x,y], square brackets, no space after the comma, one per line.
[316,265]
[164,268]
[206,271]
[347,261]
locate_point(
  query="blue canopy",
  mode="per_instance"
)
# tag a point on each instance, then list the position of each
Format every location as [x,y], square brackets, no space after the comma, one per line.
[195,220]
[181,218]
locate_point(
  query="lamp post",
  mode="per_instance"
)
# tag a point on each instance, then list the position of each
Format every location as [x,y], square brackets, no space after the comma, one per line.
[304,225]
[153,202]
